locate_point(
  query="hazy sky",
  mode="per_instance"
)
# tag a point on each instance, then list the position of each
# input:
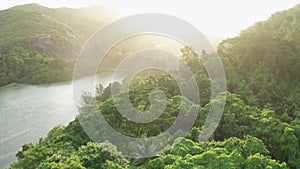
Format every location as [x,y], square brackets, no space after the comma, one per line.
[212,17]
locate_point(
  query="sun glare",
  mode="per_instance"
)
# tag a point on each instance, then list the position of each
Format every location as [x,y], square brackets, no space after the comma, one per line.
[213,18]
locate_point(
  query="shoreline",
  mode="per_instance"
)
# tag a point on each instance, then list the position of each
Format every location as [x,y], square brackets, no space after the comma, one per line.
[9,85]
[104,73]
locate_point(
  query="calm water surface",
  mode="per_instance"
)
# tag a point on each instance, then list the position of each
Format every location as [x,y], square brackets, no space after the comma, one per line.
[28,112]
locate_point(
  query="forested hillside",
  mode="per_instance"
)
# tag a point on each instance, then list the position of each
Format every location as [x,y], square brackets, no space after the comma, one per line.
[260,126]
[39,44]
[263,62]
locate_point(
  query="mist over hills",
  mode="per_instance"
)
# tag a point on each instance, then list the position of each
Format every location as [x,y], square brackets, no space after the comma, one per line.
[40,44]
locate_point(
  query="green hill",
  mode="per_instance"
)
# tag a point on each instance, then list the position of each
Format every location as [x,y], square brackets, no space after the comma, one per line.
[83,21]
[263,61]
[39,44]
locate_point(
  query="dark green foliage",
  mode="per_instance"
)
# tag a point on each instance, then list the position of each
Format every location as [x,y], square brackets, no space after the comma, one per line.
[128,127]
[239,120]
[197,66]
[60,142]
[67,146]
